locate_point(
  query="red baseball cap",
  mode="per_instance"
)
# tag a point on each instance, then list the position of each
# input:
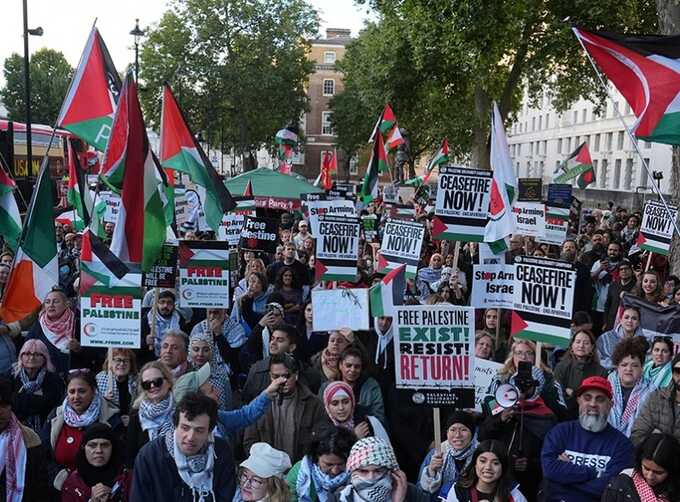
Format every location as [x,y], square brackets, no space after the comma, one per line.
[597,383]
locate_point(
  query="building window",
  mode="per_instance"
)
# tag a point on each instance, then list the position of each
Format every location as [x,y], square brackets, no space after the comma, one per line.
[619,140]
[576,142]
[628,175]
[617,174]
[643,173]
[595,166]
[604,173]
[567,145]
[329,57]
[610,135]
[354,165]
[529,173]
[540,122]
[583,115]
[326,127]
[328,87]
[596,147]
[547,120]
[545,147]
[541,167]
[533,123]
[575,116]
[648,145]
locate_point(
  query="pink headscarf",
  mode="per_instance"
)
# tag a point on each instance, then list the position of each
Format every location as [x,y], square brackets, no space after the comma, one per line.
[334,389]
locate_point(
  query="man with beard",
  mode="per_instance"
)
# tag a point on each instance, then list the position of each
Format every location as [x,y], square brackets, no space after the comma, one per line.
[584,285]
[167,317]
[604,272]
[581,456]
[625,283]
[661,411]
[593,250]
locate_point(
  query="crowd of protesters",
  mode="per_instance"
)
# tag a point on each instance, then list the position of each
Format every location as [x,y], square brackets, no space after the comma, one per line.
[253,404]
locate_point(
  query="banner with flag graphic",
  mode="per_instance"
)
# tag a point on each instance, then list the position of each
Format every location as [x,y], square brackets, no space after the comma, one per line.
[87,110]
[501,223]
[655,319]
[645,69]
[36,266]
[181,152]
[204,274]
[656,229]
[543,297]
[401,244]
[337,248]
[141,227]
[10,219]
[388,293]
[578,165]
[376,165]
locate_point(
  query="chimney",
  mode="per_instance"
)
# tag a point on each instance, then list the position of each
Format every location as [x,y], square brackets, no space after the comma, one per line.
[338,33]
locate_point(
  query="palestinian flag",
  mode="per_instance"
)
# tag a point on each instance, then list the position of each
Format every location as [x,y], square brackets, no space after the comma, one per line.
[578,165]
[248,192]
[387,293]
[440,158]
[646,71]
[655,319]
[91,99]
[501,222]
[36,266]
[78,194]
[394,138]
[378,164]
[10,219]
[141,228]
[98,265]
[180,151]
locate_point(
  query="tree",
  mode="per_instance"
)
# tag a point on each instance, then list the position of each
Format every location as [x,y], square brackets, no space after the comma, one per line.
[50,78]
[238,67]
[461,56]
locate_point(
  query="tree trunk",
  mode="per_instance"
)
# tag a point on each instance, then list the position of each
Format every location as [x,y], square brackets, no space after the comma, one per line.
[668,13]
[480,130]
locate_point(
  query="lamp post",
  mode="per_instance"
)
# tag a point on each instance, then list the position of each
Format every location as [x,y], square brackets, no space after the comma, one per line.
[137,33]
[27,83]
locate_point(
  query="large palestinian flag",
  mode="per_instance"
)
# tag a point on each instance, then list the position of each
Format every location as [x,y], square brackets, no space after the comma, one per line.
[578,165]
[87,110]
[10,219]
[378,164]
[646,71]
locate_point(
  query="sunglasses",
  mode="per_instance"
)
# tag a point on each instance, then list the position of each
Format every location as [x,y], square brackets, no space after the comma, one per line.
[156,382]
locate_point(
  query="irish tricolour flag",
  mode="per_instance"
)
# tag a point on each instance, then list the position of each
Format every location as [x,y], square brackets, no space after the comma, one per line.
[10,220]
[646,71]
[36,269]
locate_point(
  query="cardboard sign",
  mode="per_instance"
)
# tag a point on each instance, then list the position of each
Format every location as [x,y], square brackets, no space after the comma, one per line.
[556,225]
[110,315]
[434,347]
[337,248]
[529,218]
[529,190]
[112,201]
[656,230]
[462,205]
[163,273]
[331,308]
[259,234]
[543,300]
[204,274]
[492,286]
[315,205]
[401,244]
[485,373]
[369,225]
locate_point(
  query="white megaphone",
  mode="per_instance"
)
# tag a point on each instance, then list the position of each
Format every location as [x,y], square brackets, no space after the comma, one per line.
[507,395]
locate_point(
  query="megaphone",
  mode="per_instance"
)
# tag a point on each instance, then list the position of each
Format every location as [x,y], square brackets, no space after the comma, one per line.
[507,395]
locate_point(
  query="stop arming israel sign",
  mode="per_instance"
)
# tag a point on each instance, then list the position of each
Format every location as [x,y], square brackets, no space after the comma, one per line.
[492,286]
[543,300]
[529,218]
[656,230]
[462,205]
[337,248]
[315,205]
[204,274]
[401,244]
[434,353]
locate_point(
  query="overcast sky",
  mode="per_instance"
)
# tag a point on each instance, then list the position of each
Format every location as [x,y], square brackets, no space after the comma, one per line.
[67,23]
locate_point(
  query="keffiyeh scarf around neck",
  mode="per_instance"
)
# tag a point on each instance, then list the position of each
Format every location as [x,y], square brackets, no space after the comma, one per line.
[90,416]
[58,332]
[156,418]
[644,491]
[197,470]
[163,324]
[13,460]
[323,483]
[620,418]
[451,456]
[31,386]
[659,376]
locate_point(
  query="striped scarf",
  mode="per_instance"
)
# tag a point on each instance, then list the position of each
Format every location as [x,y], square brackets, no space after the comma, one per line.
[58,332]
[13,460]
[644,491]
[659,376]
[89,416]
[620,418]
[156,418]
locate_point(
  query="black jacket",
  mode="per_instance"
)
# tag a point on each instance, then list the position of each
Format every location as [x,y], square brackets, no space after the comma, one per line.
[155,475]
[27,404]
[35,484]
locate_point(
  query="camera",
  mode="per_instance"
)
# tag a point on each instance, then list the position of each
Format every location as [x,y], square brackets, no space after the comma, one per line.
[524,379]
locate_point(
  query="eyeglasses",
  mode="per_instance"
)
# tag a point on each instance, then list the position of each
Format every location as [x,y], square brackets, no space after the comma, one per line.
[78,371]
[32,354]
[156,382]
[121,361]
[246,480]
[522,353]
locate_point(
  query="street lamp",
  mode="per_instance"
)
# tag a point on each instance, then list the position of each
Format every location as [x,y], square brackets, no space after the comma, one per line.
[38,32]
[137,33]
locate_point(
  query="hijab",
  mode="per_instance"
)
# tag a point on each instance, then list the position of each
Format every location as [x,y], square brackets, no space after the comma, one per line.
[107,473]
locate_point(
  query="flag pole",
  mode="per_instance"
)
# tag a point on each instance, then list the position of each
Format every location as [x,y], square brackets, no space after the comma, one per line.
[4,165]
[633,139]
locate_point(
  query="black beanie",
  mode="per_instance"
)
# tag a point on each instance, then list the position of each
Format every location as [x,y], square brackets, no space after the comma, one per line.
[462,417]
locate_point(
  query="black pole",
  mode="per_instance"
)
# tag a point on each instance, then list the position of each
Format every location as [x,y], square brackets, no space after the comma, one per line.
[27,83]
[136,61]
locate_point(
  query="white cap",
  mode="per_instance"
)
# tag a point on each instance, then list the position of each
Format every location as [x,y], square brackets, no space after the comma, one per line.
[266,462]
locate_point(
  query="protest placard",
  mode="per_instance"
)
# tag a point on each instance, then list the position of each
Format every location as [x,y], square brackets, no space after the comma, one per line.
[391,194]
[462,204]
[529,218]
[331,309]
[232,222]
[485,372]
[492,286]
[315,205]
[434,351]
[529,189]
[401,211]
[556,225]
[182,215]
[543,300]
[110,315]
[369,225]
[656,230]
[204,274]
[559,194]
[112,201]
[337,248]
[488,257]
[259,234]
[401,244]
[163,273]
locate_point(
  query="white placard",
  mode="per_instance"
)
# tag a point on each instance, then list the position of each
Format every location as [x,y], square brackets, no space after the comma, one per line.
[340,308]
[492,286]
[485,372]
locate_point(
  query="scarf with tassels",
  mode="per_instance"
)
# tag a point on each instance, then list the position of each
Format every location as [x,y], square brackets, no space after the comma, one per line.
[620,418]
[644,491]
[156,418]
[324,484]
[13,460]
[88,417]
[197,470]
[59,331]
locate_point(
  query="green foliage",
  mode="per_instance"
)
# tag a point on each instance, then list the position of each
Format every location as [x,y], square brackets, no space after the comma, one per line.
[238,68]
[441,64]
[50,77]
